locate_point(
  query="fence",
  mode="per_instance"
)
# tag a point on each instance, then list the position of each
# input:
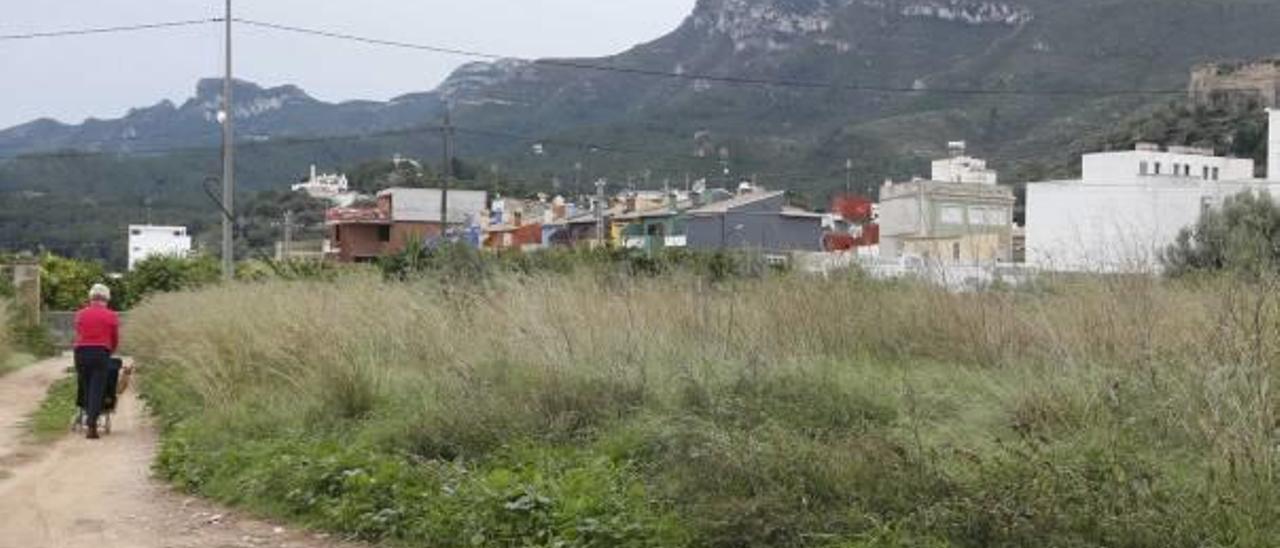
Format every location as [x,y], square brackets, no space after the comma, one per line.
[956,277]
[61,326]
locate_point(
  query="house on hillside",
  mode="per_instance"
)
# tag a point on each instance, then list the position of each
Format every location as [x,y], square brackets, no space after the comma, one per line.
[1128,207]
[328,186]
[960,215]
[399,216]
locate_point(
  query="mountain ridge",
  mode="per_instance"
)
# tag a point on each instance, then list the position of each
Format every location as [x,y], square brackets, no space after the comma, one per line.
[921,45]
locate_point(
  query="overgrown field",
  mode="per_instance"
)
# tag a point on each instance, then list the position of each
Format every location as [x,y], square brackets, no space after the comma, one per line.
[591,411]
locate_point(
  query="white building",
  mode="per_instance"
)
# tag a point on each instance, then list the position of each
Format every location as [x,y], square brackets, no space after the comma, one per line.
[961,168]
[328,186]
[1128,207]
[147,241]
[422,205]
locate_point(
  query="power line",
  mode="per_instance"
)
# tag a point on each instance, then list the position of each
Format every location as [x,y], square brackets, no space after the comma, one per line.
[244,144]
[109,30]
[737,80]
[581,147]
[293,141]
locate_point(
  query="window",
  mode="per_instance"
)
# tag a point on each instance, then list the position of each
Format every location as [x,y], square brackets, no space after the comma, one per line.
[1215,174]
[955,251]
[1157,171]
[337,233]
[1206,173]
[1143,168]
[135,232]
[952,215]
[177,234]
[384,233]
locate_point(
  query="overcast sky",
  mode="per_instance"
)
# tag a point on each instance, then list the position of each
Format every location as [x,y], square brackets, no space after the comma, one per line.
[103,76]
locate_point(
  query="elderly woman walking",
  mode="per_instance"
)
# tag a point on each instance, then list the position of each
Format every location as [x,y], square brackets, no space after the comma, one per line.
[97,336]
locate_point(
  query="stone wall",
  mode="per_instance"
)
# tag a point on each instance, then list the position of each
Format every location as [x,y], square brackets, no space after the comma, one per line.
[1241,85]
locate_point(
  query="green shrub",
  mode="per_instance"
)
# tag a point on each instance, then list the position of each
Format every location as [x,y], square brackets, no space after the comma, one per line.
[163,274]
[65,283]
[1242,236]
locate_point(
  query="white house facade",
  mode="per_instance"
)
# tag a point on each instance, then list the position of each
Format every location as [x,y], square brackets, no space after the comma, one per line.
[1128,207]
[146,241]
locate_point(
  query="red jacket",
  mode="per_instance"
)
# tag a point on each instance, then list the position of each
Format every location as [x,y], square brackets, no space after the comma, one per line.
[97,325]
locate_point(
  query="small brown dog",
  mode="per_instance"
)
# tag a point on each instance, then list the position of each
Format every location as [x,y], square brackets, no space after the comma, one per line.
[126,373]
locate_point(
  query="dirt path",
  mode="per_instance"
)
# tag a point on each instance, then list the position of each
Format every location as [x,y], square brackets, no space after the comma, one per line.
[99,494]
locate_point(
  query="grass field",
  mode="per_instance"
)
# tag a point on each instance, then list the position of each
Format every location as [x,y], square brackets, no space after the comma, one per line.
[587,410]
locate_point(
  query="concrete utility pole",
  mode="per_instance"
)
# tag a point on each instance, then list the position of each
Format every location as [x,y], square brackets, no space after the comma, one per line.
[577,179]
[446,134]
[287,247]
[228,166]
[600,209]
[848,175]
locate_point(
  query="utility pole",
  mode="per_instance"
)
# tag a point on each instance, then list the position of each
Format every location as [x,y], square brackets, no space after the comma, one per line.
[577,179]
[287,247]
[600,208]
[446,134]
[848,175]
[228,166]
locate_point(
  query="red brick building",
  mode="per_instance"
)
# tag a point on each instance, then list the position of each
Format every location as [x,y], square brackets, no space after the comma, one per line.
[401,215]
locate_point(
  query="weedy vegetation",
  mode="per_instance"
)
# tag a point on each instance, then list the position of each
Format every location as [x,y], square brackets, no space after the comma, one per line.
[588,409]
[52,419]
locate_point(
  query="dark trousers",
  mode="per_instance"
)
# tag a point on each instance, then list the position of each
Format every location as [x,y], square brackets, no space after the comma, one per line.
[91,373]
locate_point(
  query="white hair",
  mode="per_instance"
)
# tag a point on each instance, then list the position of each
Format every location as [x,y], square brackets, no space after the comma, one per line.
[100,292]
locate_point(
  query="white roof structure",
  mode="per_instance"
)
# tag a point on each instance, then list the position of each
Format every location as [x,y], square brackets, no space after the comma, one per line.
[423,204]
[146,241]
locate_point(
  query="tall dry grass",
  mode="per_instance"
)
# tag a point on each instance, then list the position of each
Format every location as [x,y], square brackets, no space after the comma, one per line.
[788,387]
